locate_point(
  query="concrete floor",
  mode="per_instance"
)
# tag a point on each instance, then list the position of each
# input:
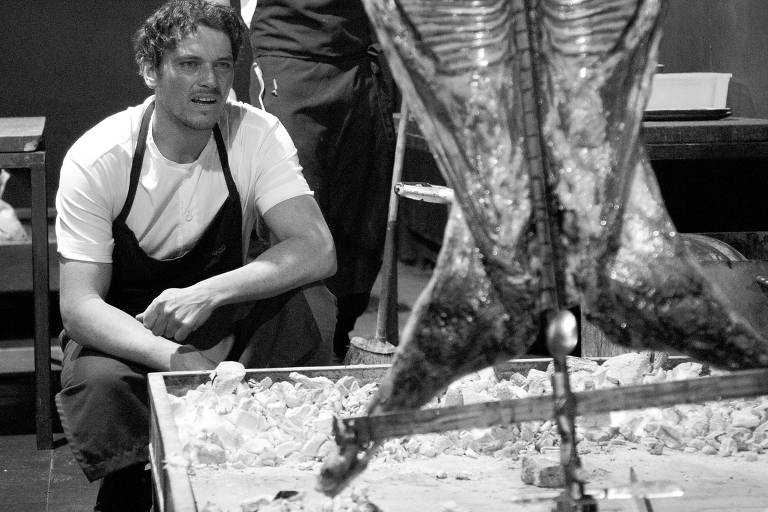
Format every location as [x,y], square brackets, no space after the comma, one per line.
[411,280]
[34,480]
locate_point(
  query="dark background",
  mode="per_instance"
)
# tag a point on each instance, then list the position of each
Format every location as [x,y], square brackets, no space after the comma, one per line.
[71,61]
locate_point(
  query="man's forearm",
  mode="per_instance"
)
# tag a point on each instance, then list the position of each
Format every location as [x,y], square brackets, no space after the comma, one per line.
[285,266]
[95,324]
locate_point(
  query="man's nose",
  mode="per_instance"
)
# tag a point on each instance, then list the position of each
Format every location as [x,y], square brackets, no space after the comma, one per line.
[207,75]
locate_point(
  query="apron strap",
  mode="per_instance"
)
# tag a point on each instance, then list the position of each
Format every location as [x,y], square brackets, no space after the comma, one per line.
[224,159]
[138,160]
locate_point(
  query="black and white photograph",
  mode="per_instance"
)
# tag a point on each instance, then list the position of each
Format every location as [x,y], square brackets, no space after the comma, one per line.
[456,256]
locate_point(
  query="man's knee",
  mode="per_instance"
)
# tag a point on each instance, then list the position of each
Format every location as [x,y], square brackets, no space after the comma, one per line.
[94,372]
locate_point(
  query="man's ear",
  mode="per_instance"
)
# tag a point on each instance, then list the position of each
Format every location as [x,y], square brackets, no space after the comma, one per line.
[149,74]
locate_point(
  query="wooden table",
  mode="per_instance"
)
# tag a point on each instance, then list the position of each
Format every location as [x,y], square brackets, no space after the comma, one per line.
[734,137]
[711,174]
[21,147]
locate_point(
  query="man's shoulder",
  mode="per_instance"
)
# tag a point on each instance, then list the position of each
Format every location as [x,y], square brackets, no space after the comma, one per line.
[115,134]
[249,127]
[246,116]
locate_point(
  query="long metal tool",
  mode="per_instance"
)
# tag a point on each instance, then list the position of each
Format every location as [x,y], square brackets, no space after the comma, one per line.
[561,340]
[379,427]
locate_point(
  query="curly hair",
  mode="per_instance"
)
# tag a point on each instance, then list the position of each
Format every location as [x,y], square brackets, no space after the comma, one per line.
[176,19]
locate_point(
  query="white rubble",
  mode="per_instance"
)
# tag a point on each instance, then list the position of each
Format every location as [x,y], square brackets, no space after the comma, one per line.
[229,422]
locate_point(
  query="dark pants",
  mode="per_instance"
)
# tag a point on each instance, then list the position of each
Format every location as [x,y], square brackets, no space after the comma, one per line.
[104,400]
[340,119]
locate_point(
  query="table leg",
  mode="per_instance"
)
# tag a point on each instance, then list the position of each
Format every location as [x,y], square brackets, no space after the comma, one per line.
[40,277]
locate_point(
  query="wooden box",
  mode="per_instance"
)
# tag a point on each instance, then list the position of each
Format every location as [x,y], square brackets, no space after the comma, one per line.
[172,484]
[173,490]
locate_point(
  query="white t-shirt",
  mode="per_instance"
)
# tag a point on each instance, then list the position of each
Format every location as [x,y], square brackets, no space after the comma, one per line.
[174,202]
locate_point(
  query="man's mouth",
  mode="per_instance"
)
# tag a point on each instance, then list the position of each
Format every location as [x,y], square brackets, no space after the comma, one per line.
[204,100]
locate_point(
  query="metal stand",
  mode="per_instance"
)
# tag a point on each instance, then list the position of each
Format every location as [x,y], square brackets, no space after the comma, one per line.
[561,340]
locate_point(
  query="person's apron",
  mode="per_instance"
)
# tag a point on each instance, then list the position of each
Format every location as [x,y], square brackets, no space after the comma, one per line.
[339,117]
[107,433]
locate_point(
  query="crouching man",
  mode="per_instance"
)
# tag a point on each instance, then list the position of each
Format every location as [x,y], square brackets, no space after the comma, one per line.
[156,206]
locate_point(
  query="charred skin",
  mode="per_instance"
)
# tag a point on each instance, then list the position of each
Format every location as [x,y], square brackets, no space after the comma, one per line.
[460,307]
[669,305]
[459,324]
[341,467]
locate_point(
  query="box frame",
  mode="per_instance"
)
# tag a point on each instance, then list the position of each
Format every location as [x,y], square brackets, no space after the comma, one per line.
[172,487]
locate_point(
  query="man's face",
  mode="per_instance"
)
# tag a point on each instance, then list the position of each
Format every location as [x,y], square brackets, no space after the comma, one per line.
[193,81]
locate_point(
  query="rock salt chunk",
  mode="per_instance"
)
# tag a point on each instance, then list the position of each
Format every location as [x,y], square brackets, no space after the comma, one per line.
[542,471]
[265,397]
[742,436]
[538,382]
[226,377]
[685,371]
[629,368]
[323,421]
[428,450]
[210,453]
[442,443]
[747,418]
[255,504]
[728,447]
[450,506]
[258,445]
[248,421]
[760,433]
[262,385]
[474,397]
[312,445]
[285,392]
[311,382]
[652,445]
[227,435]
[283,450]
[453,397]
[472,454]
[300,415]
[276,408]
[347,384]
[669,435]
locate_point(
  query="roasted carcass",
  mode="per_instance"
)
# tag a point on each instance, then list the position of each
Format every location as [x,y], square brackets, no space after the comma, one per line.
[532,109]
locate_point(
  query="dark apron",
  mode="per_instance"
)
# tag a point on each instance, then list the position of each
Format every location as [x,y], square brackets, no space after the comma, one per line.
[104,402]
[339,117]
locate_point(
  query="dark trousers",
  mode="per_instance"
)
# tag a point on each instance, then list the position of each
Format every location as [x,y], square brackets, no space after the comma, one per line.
[340,119]
[104,400]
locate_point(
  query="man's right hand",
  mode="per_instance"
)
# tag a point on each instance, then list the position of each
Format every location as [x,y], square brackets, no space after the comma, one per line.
[188,358]
[177,312]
